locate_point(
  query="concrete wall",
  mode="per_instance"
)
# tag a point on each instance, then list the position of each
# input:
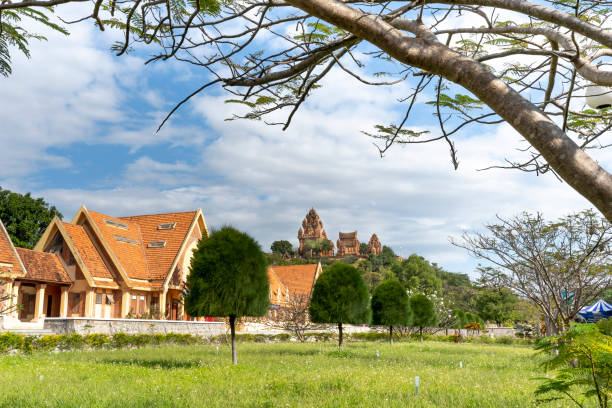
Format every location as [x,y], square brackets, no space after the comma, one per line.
[83,325]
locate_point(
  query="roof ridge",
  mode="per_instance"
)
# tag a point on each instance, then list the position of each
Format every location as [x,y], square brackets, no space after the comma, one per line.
[154,214]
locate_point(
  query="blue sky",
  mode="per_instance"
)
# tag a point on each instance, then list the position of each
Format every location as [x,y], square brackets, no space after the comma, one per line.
[77,126]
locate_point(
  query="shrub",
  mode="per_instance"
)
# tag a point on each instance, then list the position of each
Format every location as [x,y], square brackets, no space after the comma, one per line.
[10,341]
[505,340]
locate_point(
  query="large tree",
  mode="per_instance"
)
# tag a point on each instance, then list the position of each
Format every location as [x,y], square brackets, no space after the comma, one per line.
[557,265]
[282,247]
[228,277]
[340,296]
[25,217]
[391,306]
[417,274]
[496,304]
[482,62]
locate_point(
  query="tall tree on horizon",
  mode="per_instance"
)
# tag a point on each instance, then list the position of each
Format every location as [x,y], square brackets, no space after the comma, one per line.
[228,277]
[25,217]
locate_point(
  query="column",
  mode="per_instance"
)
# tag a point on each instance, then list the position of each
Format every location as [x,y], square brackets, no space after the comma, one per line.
[162,304]
[181,311]
[6,293]
[64,301]
[15,301]
[125,303]
[89,303]
[39,305]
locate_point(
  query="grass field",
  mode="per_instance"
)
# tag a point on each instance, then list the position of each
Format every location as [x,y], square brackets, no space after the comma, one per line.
[275,375]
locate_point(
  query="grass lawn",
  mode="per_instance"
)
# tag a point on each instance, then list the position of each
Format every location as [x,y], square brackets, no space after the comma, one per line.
[275,375]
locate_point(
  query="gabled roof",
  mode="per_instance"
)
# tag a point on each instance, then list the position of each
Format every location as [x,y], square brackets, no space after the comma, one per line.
[166,242]
[87,251]
[125,243]
[276,286]
[10,264]
[299,279]
[43,266]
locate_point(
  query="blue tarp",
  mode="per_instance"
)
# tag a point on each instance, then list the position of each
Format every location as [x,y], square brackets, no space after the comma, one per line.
[597,311]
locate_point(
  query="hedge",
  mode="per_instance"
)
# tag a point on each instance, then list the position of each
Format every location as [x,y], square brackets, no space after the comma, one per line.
[19,343]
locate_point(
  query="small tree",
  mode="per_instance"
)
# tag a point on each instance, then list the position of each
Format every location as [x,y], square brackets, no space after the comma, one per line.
[293,316]
[340,296]
[423,311]
[282,248]
[391,306]
[228,277]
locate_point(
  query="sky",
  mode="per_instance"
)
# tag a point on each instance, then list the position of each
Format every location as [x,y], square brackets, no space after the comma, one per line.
[77,126]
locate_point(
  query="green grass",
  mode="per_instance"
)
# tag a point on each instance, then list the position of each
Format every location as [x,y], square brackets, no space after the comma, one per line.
[275,375]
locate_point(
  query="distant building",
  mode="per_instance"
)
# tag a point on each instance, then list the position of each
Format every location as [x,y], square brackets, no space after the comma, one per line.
[312,230]
[374,246]
[348,244]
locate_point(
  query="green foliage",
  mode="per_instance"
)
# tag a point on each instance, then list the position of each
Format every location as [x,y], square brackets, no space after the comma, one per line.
[392,132]
[340,296]
[423,311]
[316,246]
[416,274]
[13,342]
[391,305]
[363,249]
[25,217]
[496,305]
[282,247]
[14,32]
[460,103]
[228,276]
[605,326]
[582,362]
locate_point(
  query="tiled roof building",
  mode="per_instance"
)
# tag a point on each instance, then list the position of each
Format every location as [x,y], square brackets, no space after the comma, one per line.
[103,266]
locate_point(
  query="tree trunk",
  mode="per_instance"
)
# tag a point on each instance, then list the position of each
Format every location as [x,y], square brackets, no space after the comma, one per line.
[391,335]
[421,333]
[424,51]
[339,335]
[232,320]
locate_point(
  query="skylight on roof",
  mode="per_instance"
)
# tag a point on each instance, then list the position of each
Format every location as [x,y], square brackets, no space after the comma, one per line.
[156,244]
[168,226]
[126,240]
[116,224]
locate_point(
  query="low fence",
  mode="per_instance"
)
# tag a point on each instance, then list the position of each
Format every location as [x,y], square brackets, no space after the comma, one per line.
[85,325]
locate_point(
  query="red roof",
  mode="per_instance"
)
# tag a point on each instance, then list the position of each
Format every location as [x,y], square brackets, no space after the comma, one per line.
[43,266]
[9,262]
[87,251]
[167,242]
[299,279]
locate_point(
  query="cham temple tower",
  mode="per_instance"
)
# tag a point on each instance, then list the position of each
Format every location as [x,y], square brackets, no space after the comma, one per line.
[374,246]
[312,229]
[348,244]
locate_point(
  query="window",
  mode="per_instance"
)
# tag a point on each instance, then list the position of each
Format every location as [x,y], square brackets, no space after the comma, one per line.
[99,298]
[168,226]
[157,244]
[126,240]
[116,224]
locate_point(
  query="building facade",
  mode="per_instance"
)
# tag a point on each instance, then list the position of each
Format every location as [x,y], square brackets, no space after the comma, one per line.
[101,266]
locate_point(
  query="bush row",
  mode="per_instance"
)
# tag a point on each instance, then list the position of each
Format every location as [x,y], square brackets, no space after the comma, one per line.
[12,342]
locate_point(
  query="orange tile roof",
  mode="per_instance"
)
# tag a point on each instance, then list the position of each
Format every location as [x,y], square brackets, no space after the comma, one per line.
[8,254]
[275,286]
[130,255]
[43,266]
[298,278]
[159,260]
[87,251]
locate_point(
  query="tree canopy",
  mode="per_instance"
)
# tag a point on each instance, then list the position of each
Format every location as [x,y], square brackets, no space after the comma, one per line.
[423,312]
[228,277]
[417,274]
[25,217]
[482,61]
[282,247]
[340,296]
[391,306]
[496,305]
